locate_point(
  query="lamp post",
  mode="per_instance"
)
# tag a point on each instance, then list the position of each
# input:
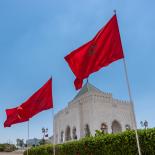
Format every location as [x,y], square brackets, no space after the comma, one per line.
[144,124]
[45,131]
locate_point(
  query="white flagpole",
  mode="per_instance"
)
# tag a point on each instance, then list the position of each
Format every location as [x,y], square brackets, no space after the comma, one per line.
[53,124]
[132,105]
[28,134]
[53,132]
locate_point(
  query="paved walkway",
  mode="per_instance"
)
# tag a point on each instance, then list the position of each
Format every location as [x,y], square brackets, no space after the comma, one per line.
[11,153]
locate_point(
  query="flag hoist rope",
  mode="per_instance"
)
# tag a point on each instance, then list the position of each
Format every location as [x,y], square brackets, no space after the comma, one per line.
[132,105]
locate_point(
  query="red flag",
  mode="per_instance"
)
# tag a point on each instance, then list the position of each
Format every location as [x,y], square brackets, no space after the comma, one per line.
[102,50]
[39,101]
[13,117]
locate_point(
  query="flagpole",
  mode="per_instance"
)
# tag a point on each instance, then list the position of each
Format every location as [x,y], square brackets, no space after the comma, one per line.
[53,128]
[53,132]
[28,134]
[132,105]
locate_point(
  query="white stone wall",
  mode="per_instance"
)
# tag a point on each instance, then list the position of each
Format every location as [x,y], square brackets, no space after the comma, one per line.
[92,108]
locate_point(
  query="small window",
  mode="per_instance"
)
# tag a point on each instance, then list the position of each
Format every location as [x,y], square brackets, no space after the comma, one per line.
[127,127]
[62,137]
[87,130]
[104,128]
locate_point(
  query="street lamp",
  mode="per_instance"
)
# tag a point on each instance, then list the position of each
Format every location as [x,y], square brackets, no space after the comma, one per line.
[144,124]
[45,131]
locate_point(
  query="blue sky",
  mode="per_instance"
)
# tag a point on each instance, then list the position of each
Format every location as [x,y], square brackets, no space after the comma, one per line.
[36,35]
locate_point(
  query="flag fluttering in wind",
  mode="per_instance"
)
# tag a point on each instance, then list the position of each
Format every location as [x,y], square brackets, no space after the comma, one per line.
[39,101]
[102,50]
[13,117]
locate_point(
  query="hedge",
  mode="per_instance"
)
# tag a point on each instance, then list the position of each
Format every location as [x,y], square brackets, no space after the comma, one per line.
[110,144]
[40,150]
[7,147]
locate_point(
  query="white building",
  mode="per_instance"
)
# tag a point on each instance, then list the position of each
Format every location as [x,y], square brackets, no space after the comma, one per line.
[90,110]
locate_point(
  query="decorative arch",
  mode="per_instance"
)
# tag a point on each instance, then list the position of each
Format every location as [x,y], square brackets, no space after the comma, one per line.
[104,128]
[116,127]
[74,133]
[68,133]
[87,130]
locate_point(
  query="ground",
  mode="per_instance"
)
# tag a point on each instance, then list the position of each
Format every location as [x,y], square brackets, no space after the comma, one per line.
[11,153]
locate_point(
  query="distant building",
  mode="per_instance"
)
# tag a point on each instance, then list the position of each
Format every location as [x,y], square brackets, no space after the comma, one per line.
[90,110]
[32,142]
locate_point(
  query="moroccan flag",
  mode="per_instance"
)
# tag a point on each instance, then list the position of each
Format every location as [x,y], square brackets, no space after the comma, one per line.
[99,52]
[13,117]
[39,101]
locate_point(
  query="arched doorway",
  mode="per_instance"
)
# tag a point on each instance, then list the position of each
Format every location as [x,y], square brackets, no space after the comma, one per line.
[74,133]
[67,134]
[116,127]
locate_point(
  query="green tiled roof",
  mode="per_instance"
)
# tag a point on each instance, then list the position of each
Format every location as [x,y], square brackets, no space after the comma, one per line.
[87,87]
